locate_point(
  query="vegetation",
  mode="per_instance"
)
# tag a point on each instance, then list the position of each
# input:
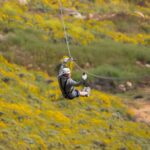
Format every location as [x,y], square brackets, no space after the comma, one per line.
[113,34]
[33,115]
[108,38]
[109,58]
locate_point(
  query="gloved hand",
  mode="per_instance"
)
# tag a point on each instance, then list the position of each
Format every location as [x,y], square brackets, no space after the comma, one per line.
[84,76]
[66,59]
[71,59]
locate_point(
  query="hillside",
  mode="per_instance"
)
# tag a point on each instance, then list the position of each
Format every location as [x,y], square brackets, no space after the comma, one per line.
[86,21]
[108,38]
[33,115]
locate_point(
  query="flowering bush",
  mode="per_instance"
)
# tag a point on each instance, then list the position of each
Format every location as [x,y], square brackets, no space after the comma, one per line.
[83,31]
[35,116]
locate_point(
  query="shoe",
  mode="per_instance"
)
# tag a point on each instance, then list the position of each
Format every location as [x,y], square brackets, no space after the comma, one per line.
[88,90]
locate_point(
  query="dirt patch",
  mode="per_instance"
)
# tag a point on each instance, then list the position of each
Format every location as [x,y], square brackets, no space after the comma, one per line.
[141,107]
[142,112]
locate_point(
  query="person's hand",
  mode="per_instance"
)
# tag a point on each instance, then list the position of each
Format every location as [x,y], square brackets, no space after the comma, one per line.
[84,76]
[66,60]
[71,59]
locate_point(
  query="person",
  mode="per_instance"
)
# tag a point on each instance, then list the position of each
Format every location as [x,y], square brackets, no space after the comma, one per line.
[67,84]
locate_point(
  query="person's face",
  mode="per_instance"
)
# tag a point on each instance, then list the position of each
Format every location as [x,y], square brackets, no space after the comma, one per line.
[68,75]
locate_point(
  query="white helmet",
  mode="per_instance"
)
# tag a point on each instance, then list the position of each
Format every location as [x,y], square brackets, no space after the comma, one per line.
[66,71]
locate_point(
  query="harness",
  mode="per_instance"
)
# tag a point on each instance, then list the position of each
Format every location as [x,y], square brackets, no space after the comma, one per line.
[63,88]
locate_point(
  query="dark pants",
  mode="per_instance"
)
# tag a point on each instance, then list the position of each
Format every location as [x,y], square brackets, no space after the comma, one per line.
[74,94]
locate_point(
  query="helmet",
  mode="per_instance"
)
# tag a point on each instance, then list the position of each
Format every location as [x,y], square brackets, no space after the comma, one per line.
[66,71]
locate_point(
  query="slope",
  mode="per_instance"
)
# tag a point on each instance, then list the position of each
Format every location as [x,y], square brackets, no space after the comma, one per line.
[33,115]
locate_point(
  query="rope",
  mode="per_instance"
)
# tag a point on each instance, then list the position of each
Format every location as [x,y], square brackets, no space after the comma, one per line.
[96,76]
[64,27]
[70,55]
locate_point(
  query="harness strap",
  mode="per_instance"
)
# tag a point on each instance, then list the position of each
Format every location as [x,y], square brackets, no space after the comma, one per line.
[65,88]
[60,83]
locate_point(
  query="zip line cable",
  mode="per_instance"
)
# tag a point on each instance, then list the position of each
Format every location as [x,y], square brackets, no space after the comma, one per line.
[96,76]
[64,27]
[70,55]
[68,46]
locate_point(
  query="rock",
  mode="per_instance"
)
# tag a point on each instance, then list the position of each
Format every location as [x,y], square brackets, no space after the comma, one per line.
[87,65]
[73,13]
[147,65]
[139,63]
[138,96]
[79,16]
[122,88]
[129,84]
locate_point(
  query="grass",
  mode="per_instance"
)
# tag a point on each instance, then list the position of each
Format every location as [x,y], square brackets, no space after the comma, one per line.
[33,37]
[33,114]
[106,57]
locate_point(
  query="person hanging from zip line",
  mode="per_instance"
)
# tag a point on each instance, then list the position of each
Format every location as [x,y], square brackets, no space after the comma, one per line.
[67,84]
